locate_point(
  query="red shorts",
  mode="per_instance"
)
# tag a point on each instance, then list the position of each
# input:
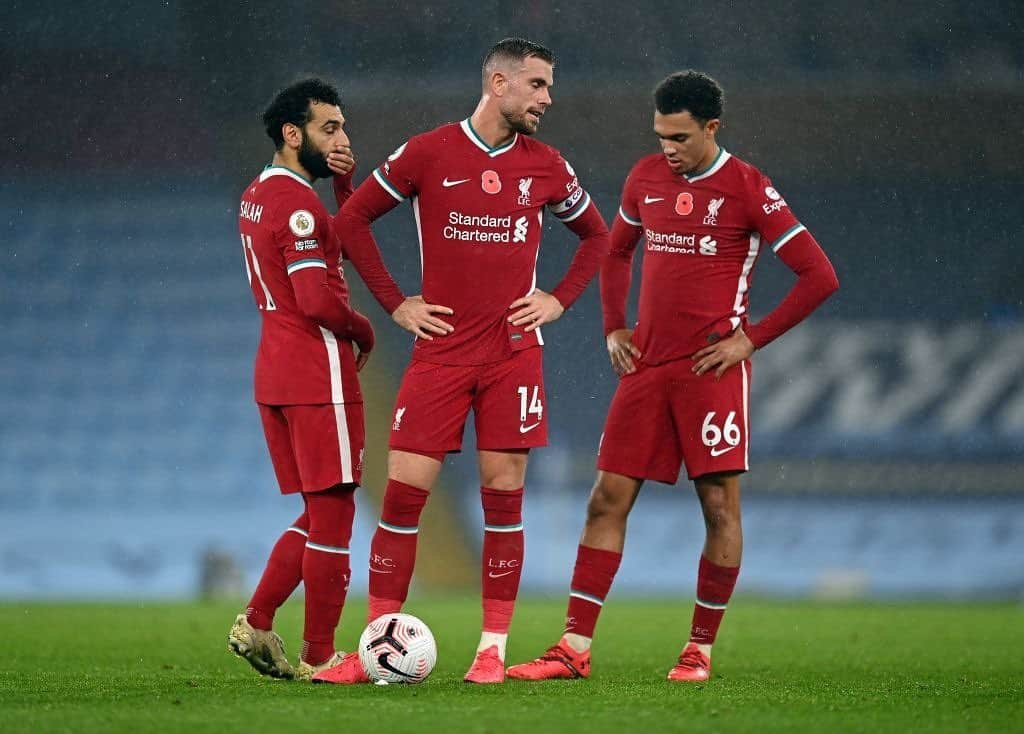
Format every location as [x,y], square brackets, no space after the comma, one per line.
[507,399]
[315,447]
[665,415]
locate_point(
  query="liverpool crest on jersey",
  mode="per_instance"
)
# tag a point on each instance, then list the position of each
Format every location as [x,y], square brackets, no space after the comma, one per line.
[524,191]
[712,216]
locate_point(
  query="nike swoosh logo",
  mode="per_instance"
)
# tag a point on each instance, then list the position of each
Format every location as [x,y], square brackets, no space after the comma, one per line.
[382,661]
[715,452]
[448,184]
[527,429]
[652,199]
[499,575]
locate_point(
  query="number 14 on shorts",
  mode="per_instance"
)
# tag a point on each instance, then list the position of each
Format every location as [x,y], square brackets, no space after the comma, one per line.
[531,410]
[713,436]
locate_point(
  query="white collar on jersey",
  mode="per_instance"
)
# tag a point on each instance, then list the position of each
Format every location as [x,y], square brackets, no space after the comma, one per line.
[282,171]
[716,165]
[467,127]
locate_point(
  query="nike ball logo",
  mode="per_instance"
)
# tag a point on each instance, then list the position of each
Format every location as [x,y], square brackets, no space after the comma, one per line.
[652,199]
[448,184]
[527,429]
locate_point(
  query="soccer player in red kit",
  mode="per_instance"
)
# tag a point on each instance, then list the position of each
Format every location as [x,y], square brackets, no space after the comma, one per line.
[478,189]
[311,346]
[685,369]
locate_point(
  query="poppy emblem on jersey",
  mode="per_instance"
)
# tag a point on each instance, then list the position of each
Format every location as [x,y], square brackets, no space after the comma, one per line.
[301,223]
[490,182]
[684,203]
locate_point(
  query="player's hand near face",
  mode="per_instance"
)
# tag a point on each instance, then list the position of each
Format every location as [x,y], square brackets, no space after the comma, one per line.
[417,316]
[341,161]
[536,309]
[723,354]
[622,351]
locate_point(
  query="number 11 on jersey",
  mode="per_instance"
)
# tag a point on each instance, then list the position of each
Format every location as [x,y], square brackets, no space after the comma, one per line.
[248,252]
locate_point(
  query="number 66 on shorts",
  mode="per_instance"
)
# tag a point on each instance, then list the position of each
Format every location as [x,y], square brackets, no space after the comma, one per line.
[663,417]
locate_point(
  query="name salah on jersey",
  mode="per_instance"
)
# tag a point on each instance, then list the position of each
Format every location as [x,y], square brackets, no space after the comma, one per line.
[251,211]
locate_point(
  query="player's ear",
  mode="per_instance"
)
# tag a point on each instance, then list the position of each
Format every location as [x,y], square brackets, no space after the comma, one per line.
[713,125]
[499,83]
[292,135]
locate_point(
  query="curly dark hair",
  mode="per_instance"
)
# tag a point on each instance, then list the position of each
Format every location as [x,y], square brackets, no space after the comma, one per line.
[292,103]
[516,49]
[690,91]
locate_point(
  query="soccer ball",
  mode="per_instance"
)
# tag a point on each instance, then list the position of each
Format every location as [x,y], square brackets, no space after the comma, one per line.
[397,648]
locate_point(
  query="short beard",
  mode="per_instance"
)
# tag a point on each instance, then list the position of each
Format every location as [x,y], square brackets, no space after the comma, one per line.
[313,160]
[517,122]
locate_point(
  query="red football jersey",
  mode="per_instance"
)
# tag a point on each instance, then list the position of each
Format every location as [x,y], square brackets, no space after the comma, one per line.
[286,229]
[703,233]
[478,214]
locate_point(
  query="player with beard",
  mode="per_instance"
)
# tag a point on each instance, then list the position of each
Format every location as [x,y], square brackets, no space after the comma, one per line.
[311,347]
[685,369]
[478,189]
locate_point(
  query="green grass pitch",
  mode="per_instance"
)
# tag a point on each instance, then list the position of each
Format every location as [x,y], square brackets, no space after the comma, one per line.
[793,666]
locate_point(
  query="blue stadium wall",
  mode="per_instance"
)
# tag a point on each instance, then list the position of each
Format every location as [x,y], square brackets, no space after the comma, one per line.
[887,432]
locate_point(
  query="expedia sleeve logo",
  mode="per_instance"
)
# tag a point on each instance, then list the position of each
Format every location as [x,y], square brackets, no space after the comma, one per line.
[775,203]
[573,182]
[301,223]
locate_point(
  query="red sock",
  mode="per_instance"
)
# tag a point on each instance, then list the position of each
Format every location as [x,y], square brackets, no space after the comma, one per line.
[714,587]
[502,555]
[393,548]
[325,568]
[591,579]
[281,575]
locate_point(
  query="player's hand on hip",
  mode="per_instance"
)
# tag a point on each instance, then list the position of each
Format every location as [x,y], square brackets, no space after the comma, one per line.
[723,354]
[418,316]
[622,351]
[341,161]
[535,309]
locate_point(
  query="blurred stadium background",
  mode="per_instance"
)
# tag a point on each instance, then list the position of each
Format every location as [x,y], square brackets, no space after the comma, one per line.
[887,432]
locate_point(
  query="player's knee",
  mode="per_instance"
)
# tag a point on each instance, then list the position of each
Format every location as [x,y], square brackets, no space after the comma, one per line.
[606,503]
[720,512]
[719,501]
[413,468]
[720,519]
[504,470]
